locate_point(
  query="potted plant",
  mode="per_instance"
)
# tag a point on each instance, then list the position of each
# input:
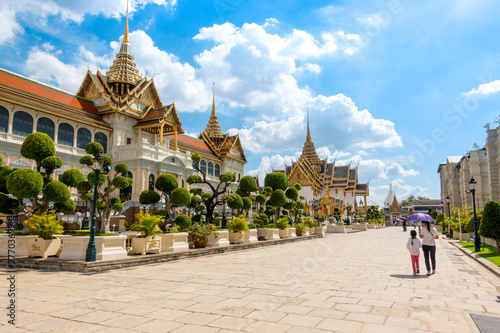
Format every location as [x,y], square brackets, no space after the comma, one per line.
[300,227]
[262,220]
[311,224]
[236,228]
[44,226]
[282,224]
[176,239]
[147,242]
[200,232]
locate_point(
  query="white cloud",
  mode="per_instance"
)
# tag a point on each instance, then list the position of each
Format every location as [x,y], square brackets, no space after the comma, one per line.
[64,10]
[485,89]
[396,170]
[269,164]
[270,22]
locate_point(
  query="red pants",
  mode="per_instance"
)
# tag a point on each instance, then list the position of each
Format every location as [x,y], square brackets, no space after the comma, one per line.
[414,263]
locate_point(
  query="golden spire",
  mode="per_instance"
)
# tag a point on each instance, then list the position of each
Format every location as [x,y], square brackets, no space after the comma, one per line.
[309,151]
[124,69]
[213,128]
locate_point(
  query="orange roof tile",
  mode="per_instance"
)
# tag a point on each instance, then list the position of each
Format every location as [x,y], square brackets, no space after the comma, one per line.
[39,89]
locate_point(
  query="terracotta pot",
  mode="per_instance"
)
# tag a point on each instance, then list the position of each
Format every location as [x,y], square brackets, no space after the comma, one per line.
[200,243]
[298,232]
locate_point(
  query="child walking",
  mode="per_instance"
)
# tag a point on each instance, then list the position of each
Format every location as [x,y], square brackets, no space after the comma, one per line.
[413,245]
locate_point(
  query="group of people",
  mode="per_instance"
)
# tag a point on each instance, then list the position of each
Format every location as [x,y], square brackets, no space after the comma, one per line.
[428,245]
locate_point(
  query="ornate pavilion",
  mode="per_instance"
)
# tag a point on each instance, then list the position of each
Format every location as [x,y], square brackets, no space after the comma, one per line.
[326,186]
[124,112]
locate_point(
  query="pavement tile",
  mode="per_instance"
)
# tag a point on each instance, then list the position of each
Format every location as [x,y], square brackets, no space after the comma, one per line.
[353,308]
[265,315]
[301,320]
[406,322]
[157,325]
[232,311]
[49,325]
[264,326]
[167,314]
[194,329]
[340,325]
[97,317]
[232,323]
[197,318]
[366,318]
[376,328]
[291,308]
[125,321]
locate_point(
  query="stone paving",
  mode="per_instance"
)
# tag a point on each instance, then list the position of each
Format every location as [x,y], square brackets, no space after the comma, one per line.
[358,282]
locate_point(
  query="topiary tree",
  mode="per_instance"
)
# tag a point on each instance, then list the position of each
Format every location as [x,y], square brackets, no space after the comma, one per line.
[278,183]
[107,183]
[490,222]
[215,197]
[173,196]
[183,221]
[40,190]
[149,197]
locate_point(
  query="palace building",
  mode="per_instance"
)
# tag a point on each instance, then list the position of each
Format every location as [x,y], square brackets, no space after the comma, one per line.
[124,112]
[326,186]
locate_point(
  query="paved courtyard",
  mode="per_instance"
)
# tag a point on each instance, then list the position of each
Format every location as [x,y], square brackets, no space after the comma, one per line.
[357,282]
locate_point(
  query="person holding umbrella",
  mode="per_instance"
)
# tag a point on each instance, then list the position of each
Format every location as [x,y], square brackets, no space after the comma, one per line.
[428,244]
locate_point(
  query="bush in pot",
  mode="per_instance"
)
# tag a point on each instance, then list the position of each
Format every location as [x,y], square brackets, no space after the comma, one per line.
[299,228]
[200,232]
[44,226]
[237,226]
[147,225]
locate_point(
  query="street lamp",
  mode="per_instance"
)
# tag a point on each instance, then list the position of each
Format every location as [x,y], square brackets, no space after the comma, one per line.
[85,221]
[91,251]
[477,241]
[448,202]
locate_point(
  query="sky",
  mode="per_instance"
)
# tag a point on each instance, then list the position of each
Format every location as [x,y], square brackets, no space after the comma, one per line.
[392,87]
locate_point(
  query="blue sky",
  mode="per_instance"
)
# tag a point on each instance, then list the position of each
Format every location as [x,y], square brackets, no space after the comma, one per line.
[392,86]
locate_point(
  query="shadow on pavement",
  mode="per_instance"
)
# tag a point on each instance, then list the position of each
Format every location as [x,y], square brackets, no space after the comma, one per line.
[409,276]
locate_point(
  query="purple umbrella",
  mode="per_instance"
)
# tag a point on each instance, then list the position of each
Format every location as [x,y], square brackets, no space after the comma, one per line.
[420,217]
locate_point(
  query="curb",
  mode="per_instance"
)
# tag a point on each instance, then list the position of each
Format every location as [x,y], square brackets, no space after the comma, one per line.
[54,264]
[483,262]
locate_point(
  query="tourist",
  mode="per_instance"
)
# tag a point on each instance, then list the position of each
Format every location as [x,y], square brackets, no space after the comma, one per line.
[404,224]
[413,245]
[429,245]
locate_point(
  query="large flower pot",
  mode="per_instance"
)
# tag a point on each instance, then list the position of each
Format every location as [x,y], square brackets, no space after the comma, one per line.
[292,232]
[107,247]
[250,236]
[261,234]
[336,229]
[372,226]
[148,244]
[236,237]
[321,231]
[284,233]
[223,239]
[273,234]
[305,232]
[200,242]
[39,247]
[311,230]
[363,226]
[174,242]
[21,245]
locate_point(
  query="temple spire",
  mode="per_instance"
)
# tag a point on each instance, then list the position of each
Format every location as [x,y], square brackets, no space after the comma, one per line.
[124,70]
[213,128]
[309,151]
[308,136]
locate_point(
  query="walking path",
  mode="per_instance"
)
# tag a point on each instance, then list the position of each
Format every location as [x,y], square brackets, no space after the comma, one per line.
[358,282]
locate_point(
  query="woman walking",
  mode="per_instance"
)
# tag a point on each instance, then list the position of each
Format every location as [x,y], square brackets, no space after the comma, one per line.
[429,245]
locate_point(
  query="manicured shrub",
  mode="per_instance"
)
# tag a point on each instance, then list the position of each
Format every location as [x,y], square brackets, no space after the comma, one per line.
[261,219]
[180,197]
[122,182]
[237,224]
[261,198]
[234,201]
[247,203]
[51,163]
[24,183]
[166,182]
[248,184]
[183,221]
[4,172]
[38,146]
[67,206]
[278,198]
[490,222]
[121,168]
[292,193]
[276,180]
[72,177]
[57,191]
[149,197]
[227,177]
[93,148]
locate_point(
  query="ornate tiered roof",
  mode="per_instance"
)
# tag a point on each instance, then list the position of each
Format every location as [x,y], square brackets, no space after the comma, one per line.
[213,130]
[124,69]
[309,152]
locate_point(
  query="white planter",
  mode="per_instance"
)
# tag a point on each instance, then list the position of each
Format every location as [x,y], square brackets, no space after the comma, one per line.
[337,229]
[174,242]
[39,247]
[250,236]
[21,245]
[284,233]
[330,227]
[292,232]
[223,239]
[372,226]
[363,226]
[143,245]
[321,231]
[236,237]
[107,247]
[273,234]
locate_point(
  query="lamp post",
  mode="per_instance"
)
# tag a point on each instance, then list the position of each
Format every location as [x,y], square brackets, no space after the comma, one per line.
[91,251]
[448,202]
[477,241]
[85,221]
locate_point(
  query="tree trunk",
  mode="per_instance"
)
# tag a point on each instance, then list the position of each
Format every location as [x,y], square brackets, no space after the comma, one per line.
[498,245]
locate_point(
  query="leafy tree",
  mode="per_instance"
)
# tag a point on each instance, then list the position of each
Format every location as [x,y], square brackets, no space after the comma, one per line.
[106,185]
[278,183]
[490,223]
[407,201]
[183,221]
[440,219]
[40,190]
[432,213]
[215,197]
[149,197]
[420,197]
[373,213]
[173,195]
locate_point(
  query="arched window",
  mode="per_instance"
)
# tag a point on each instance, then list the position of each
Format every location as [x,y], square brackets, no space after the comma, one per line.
[217,170]
[83,137]
[126,193]
[183,183]
[65,134]
[203,166]
[151,182]
[210,169]
[23,124]
[45,125]
[103,140]
[4,119]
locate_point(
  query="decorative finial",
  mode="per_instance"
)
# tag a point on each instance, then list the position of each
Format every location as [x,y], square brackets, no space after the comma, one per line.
[497,120]
[213,98]
[125,34]
[487,126]
[475,146]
